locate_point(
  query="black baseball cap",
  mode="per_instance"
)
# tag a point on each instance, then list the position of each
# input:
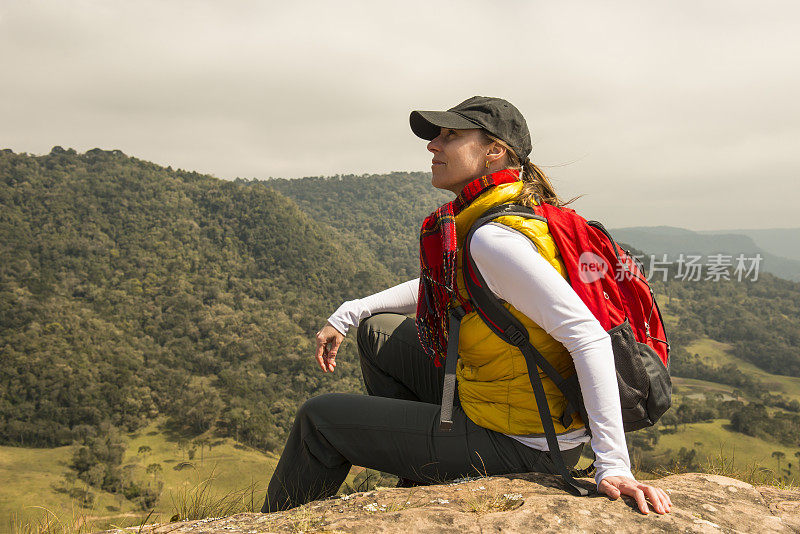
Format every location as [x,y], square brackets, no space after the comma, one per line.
[495,115]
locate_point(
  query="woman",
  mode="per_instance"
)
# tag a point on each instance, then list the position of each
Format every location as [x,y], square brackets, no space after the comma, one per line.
[480,153]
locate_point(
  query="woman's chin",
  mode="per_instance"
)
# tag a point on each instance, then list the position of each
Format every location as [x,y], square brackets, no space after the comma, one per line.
[439,185]
[437,181]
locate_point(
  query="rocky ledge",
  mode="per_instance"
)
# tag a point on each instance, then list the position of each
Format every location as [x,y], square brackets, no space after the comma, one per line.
[528,502]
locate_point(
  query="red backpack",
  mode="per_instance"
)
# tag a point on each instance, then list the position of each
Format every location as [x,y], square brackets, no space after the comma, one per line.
[606,277]
[612,286]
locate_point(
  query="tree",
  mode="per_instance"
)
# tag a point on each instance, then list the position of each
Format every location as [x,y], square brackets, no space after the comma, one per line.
[182,445]
[779,455]
[670,419]
[202,443]
[154,469]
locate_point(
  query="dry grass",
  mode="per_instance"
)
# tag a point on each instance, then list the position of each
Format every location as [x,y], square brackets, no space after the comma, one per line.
[480,501]
[404,501]
[724,463]
[303,519]
[50,523]
[489,502]
[200,501]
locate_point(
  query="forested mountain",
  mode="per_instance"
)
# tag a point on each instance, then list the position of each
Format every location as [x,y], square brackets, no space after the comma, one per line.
[385,212]
[128,289]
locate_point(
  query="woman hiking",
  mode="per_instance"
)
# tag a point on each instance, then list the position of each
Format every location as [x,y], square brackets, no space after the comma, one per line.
[480,153]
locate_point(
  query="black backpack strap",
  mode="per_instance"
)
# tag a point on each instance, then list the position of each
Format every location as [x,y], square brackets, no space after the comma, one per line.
[449,386]
[512,331]
[549,429]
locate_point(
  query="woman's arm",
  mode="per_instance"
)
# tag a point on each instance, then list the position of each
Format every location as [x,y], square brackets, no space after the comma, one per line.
[401,298]
[517,273]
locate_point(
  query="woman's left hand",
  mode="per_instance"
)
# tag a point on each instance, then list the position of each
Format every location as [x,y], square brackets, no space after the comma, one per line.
[614,486]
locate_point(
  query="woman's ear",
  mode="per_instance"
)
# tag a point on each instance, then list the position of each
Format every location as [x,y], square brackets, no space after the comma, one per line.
[495,152]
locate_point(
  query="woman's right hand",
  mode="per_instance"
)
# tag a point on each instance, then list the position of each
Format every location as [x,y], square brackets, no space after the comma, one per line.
[328,341]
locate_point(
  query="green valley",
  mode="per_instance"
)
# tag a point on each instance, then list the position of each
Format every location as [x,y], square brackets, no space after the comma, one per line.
[34,478]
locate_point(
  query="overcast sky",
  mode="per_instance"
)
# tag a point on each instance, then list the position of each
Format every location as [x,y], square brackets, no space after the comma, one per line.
[681,113]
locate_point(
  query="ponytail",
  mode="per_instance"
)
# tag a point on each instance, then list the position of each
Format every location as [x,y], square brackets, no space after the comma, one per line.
[536,188]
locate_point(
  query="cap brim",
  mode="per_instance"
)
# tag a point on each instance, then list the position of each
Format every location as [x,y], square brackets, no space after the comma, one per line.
[428,124]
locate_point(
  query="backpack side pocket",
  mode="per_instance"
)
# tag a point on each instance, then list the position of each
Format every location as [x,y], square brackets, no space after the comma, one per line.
[660,398]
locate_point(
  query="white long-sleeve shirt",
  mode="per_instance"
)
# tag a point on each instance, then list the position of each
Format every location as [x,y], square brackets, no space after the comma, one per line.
[515,272]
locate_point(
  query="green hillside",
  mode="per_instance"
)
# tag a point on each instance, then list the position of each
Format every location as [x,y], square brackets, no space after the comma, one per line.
[714,445]
[710,443]
[124,282]
[34,478]
[385,212]
[716,426]
[131,292]
[757,317]
[718,353]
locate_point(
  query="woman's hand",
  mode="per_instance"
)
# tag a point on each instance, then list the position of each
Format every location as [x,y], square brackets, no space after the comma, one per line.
[615,486]
[328,341]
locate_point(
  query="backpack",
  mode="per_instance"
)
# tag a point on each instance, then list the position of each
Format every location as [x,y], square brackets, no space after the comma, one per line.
[612,286]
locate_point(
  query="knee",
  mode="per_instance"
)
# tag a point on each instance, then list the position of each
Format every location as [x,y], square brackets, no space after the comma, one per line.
[373,327]
[315,404]
[317,409]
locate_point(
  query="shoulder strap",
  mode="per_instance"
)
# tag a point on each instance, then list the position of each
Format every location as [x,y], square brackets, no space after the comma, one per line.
[512,331]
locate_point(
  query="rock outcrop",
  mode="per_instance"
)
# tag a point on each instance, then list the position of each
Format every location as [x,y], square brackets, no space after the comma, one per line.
[528,502]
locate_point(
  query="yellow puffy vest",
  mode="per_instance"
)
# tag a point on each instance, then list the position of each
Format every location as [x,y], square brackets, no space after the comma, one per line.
[493,382]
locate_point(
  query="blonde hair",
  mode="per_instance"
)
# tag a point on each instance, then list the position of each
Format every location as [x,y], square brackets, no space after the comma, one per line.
[537,188]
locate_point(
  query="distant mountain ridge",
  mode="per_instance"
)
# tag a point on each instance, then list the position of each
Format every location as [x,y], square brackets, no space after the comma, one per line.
[784,242]
[674,241]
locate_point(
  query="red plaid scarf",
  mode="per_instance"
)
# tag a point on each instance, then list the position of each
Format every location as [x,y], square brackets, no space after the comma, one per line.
[437,257]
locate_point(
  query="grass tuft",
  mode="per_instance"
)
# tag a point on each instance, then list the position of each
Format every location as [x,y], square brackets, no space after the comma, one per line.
[302,520]
[200,501]
[49,523]
[724,463]
[483,502]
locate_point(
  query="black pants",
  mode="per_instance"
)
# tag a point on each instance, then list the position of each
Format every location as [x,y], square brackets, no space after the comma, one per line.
[395,429]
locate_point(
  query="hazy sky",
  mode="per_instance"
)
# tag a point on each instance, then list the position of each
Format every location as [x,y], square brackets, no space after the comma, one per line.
[682,113]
